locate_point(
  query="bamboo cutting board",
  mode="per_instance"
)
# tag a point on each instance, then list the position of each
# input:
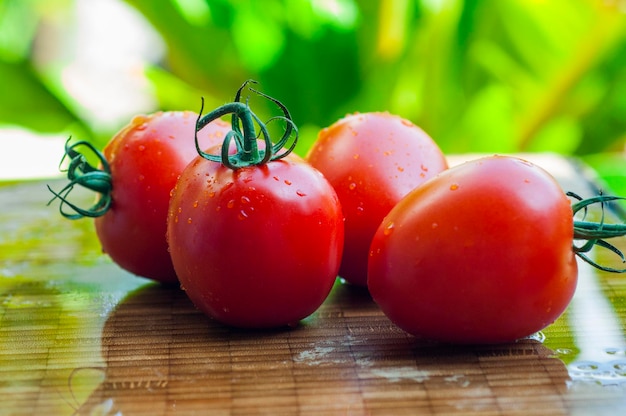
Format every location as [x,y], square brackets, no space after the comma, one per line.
[80,336]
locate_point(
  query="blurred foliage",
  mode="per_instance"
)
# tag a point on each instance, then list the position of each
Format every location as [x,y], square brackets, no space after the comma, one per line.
[477,75]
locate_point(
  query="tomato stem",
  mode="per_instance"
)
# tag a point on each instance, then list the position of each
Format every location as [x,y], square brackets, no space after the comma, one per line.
[595,233]
[244,134]
[80,172]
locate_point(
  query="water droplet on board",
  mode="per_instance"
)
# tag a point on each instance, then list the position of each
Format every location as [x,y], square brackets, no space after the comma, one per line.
[300,193]
[454,187]
[287,182]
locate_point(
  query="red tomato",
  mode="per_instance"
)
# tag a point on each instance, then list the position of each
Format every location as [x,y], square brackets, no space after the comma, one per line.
[482,253]
[145,159]
[372,160]
[255,236]
[259,246]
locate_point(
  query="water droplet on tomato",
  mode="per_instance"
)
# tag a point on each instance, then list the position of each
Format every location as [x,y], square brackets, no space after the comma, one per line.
[352,186]
[139,121]
[242,215]
[355,156]
[359,210]
[389,228]
[230,203]
[434,225]
[195,204]
[189,220]
[141,147]
[245,200]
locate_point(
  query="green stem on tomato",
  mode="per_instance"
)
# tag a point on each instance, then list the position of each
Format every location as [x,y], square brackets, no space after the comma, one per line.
[81,173]
[595,233]
[244,134]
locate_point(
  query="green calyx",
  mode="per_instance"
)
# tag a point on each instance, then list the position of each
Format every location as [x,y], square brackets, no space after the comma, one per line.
[243,132]
[595,233]
[80,172]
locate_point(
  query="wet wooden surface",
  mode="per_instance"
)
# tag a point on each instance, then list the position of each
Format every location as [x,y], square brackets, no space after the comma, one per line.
[80,336]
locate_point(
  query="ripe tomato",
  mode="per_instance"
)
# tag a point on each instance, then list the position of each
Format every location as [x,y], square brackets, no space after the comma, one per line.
[255,240]
[140,166]
[372,160]
[482,253]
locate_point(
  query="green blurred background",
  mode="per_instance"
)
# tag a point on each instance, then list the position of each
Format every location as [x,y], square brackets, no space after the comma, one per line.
[493,76]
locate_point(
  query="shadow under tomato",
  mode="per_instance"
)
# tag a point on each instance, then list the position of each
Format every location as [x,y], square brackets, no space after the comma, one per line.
[161,351]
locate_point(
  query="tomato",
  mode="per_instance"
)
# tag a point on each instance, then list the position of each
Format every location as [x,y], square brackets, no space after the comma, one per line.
[481,253]
[143,162]
[255,240]
[372,160]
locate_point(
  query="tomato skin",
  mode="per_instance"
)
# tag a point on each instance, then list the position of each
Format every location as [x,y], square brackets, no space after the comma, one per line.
[480,254]
[372,160]
[146,158]
[257,247]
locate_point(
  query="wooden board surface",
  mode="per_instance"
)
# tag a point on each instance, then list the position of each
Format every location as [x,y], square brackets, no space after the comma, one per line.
[80,336]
